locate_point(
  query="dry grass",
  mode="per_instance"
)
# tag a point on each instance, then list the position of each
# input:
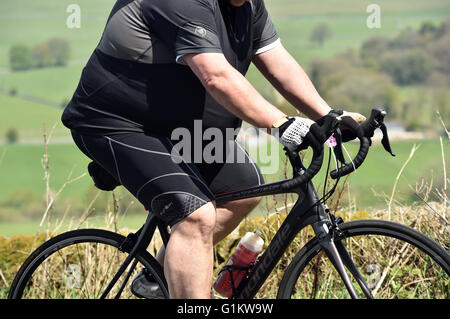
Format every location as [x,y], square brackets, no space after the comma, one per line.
[403,272]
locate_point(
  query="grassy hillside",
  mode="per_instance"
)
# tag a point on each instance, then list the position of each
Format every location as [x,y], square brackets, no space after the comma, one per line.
[35,22]
[295,20]
[32,22]
[379,171]
[28,117]
[21,169]
[55,84]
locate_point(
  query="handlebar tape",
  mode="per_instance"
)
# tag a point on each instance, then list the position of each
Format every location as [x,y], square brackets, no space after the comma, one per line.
[357,161]
[309,173]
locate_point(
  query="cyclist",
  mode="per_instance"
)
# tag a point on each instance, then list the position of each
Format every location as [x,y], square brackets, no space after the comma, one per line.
[165,64]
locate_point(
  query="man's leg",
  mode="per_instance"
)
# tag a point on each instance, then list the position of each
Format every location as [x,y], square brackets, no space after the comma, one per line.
[188,262]
[228,217]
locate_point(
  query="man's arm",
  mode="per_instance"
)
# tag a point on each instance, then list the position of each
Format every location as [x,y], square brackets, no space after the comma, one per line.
[288,77]
[232,90]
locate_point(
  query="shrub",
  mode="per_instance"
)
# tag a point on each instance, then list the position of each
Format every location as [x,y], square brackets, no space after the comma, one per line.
[320,34]
[20,58]
[407,39]
[407,67]
[363,89]
[372,49]
[440,50]
[59,51]
[42,56]
[13,91]
[11,136]
[428,29]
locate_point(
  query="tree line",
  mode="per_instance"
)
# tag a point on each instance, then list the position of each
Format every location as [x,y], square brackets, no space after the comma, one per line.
[397,73]
[54,52]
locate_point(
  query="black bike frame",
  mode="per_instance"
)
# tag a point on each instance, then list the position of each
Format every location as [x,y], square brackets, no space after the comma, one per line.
[307,211]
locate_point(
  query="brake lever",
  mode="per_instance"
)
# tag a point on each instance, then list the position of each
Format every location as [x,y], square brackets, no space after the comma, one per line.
[338,148]
[376,120]
[385,140]
[294,159]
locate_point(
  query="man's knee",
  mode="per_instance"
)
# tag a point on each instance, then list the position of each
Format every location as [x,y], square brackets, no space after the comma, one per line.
[201,222]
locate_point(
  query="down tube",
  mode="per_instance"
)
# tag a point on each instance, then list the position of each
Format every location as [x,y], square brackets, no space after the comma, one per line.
[296,220]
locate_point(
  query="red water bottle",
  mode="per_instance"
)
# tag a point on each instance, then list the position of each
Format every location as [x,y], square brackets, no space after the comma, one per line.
[246,252]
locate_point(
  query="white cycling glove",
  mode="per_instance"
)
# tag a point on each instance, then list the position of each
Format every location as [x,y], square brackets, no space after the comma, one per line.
[293,132]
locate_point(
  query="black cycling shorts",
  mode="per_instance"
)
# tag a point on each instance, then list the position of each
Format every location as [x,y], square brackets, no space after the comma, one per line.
[173,189]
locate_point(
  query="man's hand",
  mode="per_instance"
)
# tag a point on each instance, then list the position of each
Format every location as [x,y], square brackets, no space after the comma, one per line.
[349,125]
[359,118]
[293,132]
[298,133]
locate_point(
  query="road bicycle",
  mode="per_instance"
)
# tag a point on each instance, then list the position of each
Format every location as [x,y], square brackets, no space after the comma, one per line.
[368,258]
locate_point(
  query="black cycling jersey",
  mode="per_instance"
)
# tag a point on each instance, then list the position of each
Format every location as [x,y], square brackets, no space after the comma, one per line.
[135,90]
[136,81]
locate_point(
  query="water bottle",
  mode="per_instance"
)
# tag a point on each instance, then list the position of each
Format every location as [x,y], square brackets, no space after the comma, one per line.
[246,252]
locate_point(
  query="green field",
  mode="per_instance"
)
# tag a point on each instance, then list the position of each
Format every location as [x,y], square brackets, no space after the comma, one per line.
[22,169]
[54,84]
[132,222]
[378,173]
[379,169]
[28,117]
[37,21]
[31,22]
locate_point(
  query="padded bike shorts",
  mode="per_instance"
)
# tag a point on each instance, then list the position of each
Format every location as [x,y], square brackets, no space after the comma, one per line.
[163,182]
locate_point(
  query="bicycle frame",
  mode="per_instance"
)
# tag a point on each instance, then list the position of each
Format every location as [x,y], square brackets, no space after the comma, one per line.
[306,211]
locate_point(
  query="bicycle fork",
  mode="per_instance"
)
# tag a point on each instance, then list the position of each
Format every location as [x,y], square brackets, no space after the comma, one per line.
[340,258]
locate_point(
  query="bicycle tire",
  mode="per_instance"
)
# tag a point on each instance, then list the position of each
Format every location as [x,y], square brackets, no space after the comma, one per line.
[71,239]
[386,230]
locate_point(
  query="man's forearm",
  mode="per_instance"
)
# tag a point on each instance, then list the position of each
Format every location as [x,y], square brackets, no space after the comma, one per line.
[232,90]
[288,77]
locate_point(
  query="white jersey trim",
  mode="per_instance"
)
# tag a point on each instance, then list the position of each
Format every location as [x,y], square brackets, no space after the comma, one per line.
[268,47]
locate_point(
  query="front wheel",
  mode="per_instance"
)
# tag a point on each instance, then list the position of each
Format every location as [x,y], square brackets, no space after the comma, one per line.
[80,264]
[396,261]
